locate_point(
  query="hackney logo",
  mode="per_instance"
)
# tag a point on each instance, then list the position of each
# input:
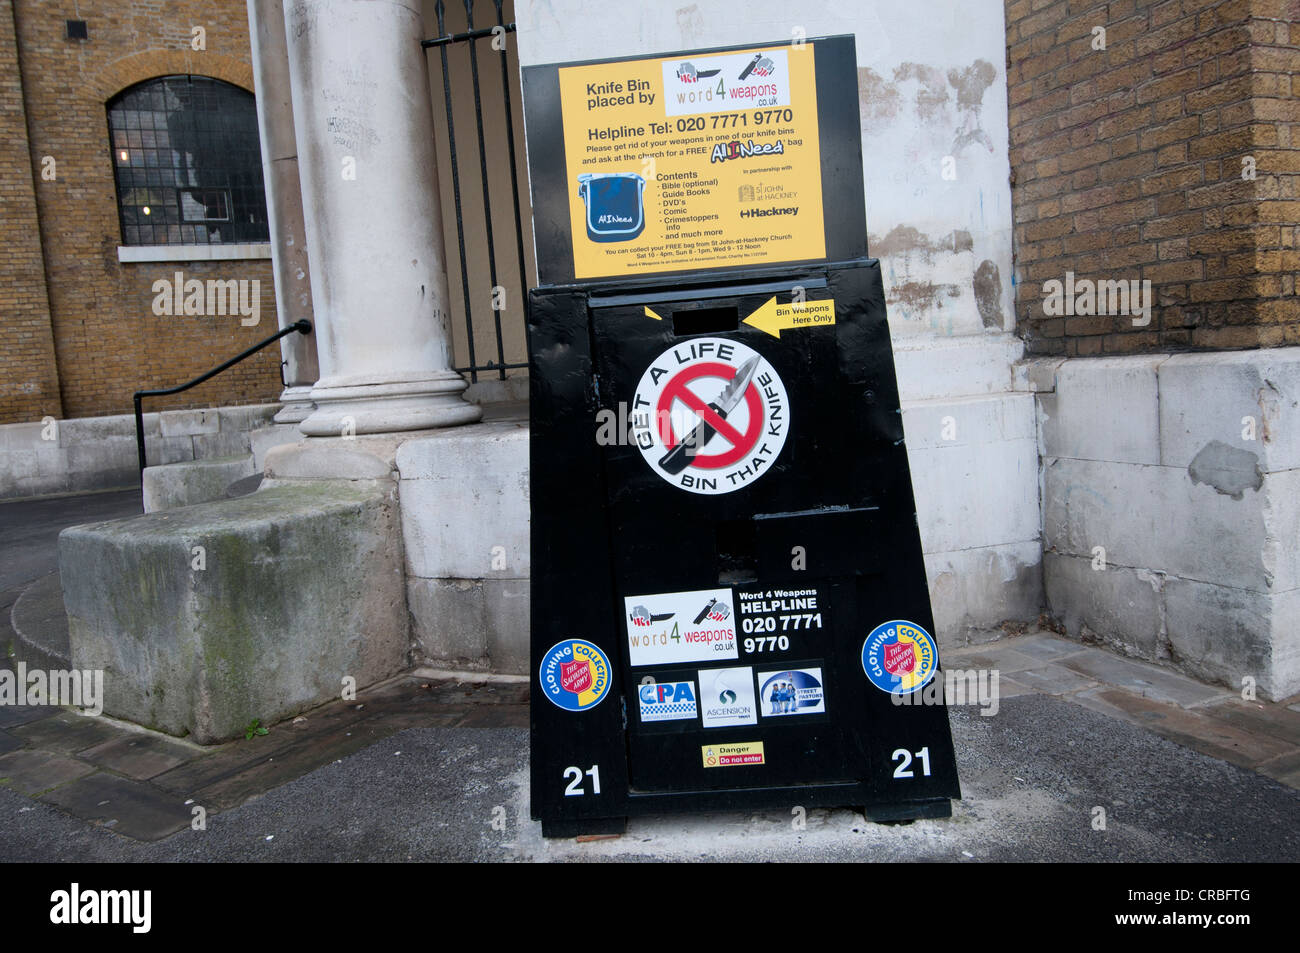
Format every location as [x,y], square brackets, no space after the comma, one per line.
[710,416]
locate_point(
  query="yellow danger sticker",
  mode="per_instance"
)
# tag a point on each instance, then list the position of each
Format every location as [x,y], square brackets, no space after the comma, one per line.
[731,755]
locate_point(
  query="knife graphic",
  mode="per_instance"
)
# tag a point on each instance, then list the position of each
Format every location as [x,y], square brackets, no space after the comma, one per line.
[681,456]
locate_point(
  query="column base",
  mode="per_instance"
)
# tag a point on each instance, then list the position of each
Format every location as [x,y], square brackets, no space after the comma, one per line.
[297,403]
[346,409]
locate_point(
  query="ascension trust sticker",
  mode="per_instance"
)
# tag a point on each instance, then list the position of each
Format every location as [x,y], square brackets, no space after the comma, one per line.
[710,415]
[575,675]
[899,657]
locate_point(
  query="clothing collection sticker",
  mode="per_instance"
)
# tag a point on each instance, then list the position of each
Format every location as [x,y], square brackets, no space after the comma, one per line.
[672,627]
[575,675]
[710,415]
[899,657]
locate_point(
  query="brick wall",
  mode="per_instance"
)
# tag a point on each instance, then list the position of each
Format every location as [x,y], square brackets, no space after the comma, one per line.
[29,384]
[107,340]
[1127,164]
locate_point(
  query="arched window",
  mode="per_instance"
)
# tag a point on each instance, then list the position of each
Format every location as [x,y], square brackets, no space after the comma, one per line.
[187,162]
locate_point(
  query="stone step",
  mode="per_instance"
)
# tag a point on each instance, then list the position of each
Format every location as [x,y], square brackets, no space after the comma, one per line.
[194,481]
[40,625]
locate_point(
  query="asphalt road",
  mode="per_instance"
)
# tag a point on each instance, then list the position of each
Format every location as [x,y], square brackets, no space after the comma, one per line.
[1031,775]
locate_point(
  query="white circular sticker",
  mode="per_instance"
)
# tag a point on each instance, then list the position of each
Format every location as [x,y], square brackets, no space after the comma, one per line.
[710,415]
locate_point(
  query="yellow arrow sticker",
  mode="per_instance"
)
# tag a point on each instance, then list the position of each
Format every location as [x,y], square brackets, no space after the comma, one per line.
[774,318]
[651,314]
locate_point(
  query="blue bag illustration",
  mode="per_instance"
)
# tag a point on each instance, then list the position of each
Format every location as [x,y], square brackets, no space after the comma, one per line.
[615,210]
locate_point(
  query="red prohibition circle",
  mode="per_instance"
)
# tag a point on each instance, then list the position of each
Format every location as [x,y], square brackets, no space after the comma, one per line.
[676,389]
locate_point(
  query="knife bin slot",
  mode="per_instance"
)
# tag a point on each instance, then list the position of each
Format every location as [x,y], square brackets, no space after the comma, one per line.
[737,552]
[705,320]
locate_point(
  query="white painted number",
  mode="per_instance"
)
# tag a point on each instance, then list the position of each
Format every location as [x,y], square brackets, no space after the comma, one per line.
[574,788]
[904,757]
[772,642]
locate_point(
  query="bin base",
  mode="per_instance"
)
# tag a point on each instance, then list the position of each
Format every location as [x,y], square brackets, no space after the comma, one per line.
[595,825]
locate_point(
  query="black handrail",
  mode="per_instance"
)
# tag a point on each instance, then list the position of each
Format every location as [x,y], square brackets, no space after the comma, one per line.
[302,326]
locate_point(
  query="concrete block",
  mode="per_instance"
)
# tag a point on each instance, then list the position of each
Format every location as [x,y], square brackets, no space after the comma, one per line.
[1035,375]
[465,501]
[968,420]
[333,458]
[931,368]
[507,612]
[1204,398]
[1156,518]
[182,423]
[261,440]
[246,416]
[302,586]
[227,443]
[87,429]
[24,436]
[160,451]
[977,495]
[199,481]
[17,464]
[1223,634]
[974,589]
[1104,409]
[448,620]
[1122,606]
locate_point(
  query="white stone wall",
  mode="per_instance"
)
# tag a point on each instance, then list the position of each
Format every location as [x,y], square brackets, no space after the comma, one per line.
[96,453]
[1172,509]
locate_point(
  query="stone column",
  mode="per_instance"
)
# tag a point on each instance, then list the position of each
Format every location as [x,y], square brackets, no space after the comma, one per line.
[283,204]
[364,125]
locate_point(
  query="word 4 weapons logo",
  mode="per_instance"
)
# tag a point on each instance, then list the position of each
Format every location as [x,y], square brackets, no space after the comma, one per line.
[899,657]
[710,416]
[668,701]
[669,627]
[575,675]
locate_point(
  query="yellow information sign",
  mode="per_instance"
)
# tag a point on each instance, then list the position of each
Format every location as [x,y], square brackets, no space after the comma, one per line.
[709,161]
[775,318]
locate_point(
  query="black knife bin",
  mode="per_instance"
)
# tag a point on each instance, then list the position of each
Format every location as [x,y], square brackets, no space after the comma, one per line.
[736,633]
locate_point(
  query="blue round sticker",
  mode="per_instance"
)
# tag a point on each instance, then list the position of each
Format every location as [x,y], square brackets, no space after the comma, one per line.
[899,657]
[575,675]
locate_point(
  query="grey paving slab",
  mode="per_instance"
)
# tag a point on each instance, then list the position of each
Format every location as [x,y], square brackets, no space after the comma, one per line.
[31,772]
[1010,688]
[69,733]
[1141,677]
[139,756]
[13,715]
[1053,679]
[128,807]
[1000,656]
[1285,769]
[1045,647]
[1264,717]
[1189,727]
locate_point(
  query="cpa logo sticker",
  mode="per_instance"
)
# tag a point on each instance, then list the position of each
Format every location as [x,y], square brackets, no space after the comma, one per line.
[899,657]
[575,675]
[710,415]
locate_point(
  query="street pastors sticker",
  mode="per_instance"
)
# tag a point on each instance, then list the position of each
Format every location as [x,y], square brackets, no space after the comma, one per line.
[710,415]
[575,675]
[668,701]
[899,657]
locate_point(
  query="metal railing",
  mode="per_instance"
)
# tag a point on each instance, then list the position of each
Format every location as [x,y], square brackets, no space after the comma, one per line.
[471,37]
[301,327]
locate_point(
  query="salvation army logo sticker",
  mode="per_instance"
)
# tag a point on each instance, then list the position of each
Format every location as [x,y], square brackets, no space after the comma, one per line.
[575,675]
[710,415]
[899,657]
